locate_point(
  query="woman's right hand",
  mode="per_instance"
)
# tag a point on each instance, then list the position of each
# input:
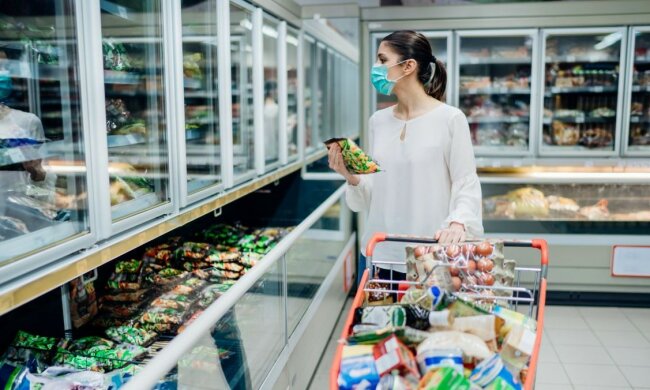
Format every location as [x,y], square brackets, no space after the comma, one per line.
[335,159]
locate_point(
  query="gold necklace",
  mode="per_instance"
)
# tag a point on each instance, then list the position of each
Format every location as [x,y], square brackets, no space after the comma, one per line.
[402,135]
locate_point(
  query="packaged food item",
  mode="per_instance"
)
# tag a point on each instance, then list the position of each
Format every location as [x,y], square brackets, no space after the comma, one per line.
[182,290]
[427,265]
[31,351]
[483,326]
[378,297]
[472,346]
[382,316]
[157,315]
[14,376]
[355,159]
[358,369]
[441,320]
[168,276]
[394,381]
[123,311]
[492,374]
[216,274]
[518,347]
[431,359]
[222,234]
[250,259]
[159,255]
[134,296]
[107,321]
[131,335]
[169,303]
[512,319]
[392,355]
[189,321]
[210,294]
[83,302]
[444,378]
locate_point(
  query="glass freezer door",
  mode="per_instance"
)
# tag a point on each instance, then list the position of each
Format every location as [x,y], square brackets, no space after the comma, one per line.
[439,46]
[241,72]
[292,93]
[582,92]
[201,94]
[271,107]
[638,140]
[135,110]
[310,88]
[42,162]
[495,84]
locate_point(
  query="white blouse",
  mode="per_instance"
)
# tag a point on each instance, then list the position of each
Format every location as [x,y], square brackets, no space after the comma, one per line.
[427,181]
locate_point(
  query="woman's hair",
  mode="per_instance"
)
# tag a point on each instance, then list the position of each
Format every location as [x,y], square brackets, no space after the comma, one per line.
[431,71]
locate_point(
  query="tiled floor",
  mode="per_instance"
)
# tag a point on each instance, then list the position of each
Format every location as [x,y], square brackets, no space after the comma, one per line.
[595,348]
[582,348]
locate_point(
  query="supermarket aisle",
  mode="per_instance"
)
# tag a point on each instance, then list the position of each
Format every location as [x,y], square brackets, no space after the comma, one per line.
[320,381]
[595,348]
[583,348]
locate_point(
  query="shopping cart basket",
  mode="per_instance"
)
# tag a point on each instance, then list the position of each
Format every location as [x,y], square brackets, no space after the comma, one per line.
[534,298]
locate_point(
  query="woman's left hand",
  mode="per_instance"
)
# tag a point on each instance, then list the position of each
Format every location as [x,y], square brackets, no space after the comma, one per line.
[453,234]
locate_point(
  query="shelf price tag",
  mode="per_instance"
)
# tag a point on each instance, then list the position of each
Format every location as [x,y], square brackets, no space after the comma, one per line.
[570,58]
[472,91]
[631,261]
[474,60]
[580,119]
[598,89]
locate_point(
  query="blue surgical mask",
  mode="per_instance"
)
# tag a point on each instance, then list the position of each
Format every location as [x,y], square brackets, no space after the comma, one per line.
[379,78]
[6,86]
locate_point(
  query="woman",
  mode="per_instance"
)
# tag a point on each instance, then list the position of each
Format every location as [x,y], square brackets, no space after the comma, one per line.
[429,185]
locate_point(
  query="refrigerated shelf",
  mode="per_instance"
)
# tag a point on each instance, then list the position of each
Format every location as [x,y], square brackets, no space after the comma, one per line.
[494,61]
[116,141]
[494,91]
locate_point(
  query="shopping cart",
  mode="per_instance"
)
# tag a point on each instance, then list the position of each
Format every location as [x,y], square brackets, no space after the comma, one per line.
[534,298]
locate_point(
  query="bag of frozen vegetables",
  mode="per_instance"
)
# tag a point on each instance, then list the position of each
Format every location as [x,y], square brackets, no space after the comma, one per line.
[355,159]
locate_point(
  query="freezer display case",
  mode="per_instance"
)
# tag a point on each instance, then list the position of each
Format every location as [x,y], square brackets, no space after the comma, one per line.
[496,80]
[271,108]
[42,161]
[638,113]
[441,47]
[292,93]
[582,91]
[323,90]
[201,95]
[310,88]
[241,57]
[132,46]
[566,200]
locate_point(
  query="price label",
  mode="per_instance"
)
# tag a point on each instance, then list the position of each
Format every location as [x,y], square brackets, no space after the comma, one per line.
[472,91]
[631,261]
[474,60]
[571,58]
[131,139]
[598,89]
[580,119]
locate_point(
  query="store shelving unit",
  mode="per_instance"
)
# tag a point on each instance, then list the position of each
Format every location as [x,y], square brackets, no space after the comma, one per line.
[497,84]
[582,75]
[636,118]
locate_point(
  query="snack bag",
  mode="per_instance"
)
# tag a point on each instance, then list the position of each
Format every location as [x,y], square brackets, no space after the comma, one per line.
[355,159]
[83,302]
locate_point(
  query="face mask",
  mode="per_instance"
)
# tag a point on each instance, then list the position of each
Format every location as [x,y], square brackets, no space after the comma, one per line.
[379,78]
[6,86]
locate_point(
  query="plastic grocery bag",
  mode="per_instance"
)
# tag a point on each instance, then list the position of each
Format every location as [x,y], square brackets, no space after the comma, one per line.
[355,159]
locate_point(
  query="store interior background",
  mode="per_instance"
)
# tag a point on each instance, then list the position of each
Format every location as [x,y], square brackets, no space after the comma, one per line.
[557,94]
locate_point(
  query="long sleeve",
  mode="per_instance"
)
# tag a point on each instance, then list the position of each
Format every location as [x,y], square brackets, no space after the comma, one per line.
[358,197]
[466,198]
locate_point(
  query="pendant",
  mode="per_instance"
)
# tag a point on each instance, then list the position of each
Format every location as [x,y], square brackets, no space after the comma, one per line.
[403,133]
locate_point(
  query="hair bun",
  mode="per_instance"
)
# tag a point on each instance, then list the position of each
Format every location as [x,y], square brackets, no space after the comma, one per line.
[434,59]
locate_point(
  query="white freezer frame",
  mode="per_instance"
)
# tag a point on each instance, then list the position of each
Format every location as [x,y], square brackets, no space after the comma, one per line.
[533,34]
[627,150]
[555,151]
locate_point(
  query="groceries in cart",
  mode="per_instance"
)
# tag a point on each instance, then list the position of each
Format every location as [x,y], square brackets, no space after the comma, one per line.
[355,159]
[455,323]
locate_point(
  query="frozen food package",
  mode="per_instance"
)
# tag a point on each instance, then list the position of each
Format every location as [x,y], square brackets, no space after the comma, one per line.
[433,359]
[358,369]
[473,347]
[355,159]
[83,302]
[131,335]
